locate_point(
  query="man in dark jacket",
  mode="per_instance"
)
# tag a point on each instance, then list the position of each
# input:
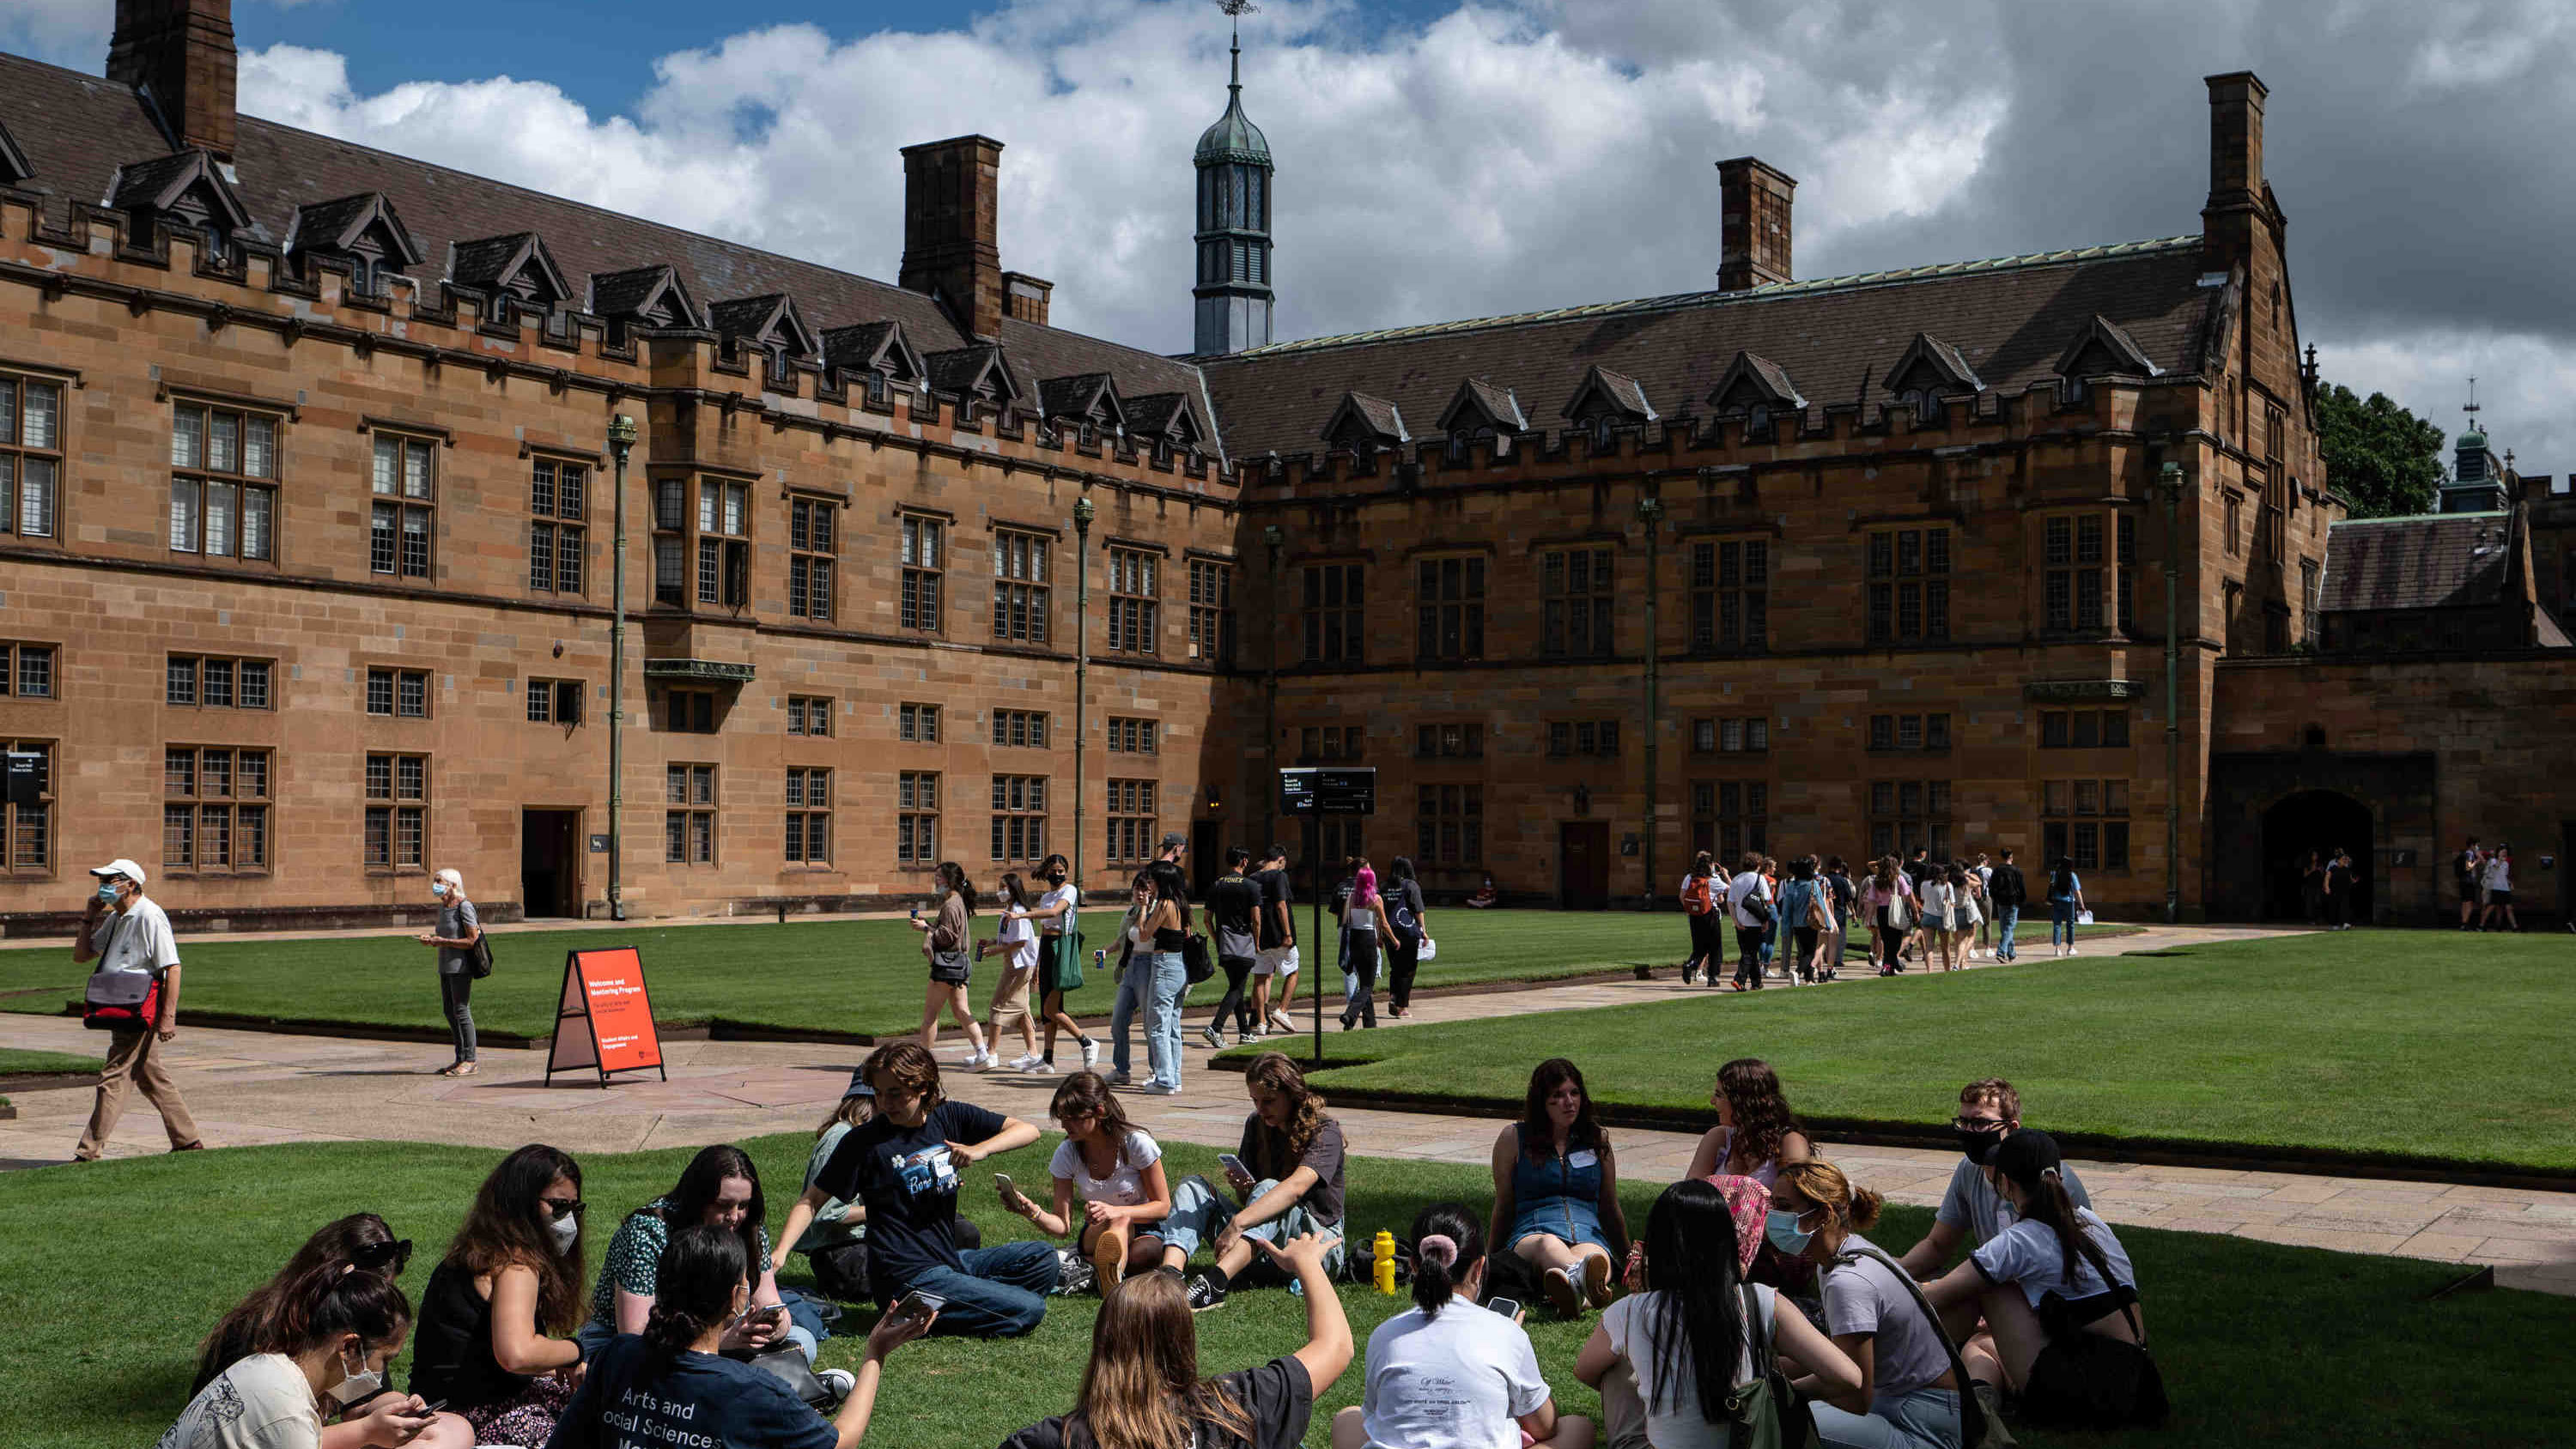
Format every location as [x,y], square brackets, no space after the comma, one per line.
[2007,891]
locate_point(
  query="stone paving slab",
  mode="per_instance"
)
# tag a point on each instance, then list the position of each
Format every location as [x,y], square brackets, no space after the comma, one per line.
[250,1088]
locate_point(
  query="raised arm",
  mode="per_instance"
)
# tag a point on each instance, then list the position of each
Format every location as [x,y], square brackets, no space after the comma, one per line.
[1328,1331]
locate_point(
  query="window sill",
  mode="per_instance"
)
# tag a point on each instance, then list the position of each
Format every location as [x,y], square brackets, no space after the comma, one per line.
[396,870]
[1902,751]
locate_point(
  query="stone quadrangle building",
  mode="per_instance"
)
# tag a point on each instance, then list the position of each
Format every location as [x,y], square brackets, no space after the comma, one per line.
[306,578]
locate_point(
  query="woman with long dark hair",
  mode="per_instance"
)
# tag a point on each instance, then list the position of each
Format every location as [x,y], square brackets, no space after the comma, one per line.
[1756,1133]
[1703,892]
[331,1345]
[1408,925]
[2066,902]
[273,1309]
[1888,897]
[1666,1358]
[943,943]
[672,1383]
[1556,1191]
[497,1319]
[1017,941]
[1142,1389]
[1057,914]
[720,1188]
[1448,1372]
[1114,1171]
[2054,1279]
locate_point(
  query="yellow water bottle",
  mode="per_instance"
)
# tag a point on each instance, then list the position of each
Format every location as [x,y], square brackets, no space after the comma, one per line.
[1382,1263]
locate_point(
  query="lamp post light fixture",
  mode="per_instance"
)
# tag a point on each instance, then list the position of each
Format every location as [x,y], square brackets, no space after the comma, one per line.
[621,439]
[1083,513]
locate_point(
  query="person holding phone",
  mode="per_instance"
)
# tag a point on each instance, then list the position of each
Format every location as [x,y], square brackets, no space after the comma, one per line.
[334,1349]
[1114,1170]
[1287,1175]
[128,934]
[498,1315]
[459,929]
[673,1383]
[902,1165]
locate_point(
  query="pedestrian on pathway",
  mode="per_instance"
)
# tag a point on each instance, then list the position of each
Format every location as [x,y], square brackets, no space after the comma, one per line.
[1844,897]
[1703,892]
[1017,941]
[1940,902]
[1364,925]
[2066,901]
[2010,893]
[1155,979]
[1917,944]
[2497,880]
[1277,960]
[1889,898]
[128,935]
[1749,903]
[1984,896]
[1058,917]
[1232,902]
[1409,925]
[459,929]
[2338,891]
[1805,920]
[2468,871]
[943,943]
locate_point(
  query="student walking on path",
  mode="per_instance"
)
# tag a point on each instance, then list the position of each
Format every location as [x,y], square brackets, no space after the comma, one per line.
[943,941]
[2010,893]
[128,935]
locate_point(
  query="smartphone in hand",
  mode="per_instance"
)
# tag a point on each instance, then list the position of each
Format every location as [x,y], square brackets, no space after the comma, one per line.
[1002,1184]
[1234,1166]
[1508,1307]
[918,1305]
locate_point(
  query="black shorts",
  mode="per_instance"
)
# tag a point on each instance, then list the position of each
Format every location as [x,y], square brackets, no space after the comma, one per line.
[2499,898]
[951,968]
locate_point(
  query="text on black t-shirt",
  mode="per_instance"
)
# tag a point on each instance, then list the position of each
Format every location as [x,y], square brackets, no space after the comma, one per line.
[908,1179]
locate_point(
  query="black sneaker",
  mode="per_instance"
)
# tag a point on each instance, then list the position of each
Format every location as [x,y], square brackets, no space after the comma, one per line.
[1203,1294]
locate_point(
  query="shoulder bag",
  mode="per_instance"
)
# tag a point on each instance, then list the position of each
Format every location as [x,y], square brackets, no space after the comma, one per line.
[1763,1412]
[1977,1428]
[2085,1380]
[108,1000]
[1196,963]
[479,965]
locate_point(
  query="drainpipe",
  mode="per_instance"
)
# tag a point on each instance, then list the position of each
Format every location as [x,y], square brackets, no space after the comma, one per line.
[1650,511]
[2171,479]
[1082,515]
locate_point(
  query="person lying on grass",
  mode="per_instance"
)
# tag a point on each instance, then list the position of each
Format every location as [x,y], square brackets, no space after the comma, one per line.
[331,1345]
[674,1383]
[902,1165]
[2060,1301]
[1142,1390]
[1971,1207]
[1114,1171]
[1667,1359]
[1447,1372]
[1556,1191]
[1287,1175]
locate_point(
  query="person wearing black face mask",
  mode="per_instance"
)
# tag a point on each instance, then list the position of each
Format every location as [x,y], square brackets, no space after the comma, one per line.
[1989,1111]
[1058,915]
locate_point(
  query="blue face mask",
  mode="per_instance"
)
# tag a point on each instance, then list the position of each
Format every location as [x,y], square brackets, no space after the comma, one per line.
[1781,1227]
[107,891]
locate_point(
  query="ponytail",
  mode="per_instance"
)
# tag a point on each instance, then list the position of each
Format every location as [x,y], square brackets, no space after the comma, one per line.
[1446,1244]
[693,1292]
[2031,1161]
[366,1304]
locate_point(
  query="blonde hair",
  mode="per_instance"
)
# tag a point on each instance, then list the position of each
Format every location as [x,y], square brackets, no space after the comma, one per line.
[1142,1388]
[1850,1209]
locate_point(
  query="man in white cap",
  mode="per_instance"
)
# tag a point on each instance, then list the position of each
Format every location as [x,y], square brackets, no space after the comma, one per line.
[129,936]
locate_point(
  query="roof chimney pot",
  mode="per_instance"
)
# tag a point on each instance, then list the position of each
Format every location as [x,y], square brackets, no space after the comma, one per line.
[1753,241]
[951,207]
[182,51]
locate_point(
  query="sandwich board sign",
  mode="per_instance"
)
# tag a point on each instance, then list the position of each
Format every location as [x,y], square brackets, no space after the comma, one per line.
[604,1021]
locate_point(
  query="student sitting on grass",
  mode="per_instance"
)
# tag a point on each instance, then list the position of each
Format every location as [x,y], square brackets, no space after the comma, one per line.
[330,1346]
[837,1244]
[902,1166]
[2060,1299]
[1114,1170]
[1667,1359]
[1448,1374]
[1290,1184]
[1989,1112]
[720,1188]
[498,1315]
[674,1383]
[1142,1388]
[1908,1386]
[1756,1134]
[1556,1191]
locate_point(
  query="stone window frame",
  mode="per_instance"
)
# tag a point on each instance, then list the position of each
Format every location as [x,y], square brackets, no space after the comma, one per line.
[690,815]
[917,819]
[813,554]
[200,465]
[24,458]
[1449,824]
[1729,816]
[396,800]
[20,667]
[1909,582]
[223,819]
[922,552]
[1023,585]
[809,716]
[559,530]
[809,816]
[1904,813]
[1135,600]
[1717,595]
[238,674]
[1578,590]
[402,506]
[547,701]
[1019,817]
[1450,614]
[1130,809]
[1332,606]
[2086,818]
[1024,729]
[17,861]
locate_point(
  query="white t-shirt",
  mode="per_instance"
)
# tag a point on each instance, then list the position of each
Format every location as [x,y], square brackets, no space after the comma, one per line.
[2027,1253]
[1457,1381]
[2499,874]
[261,1402]
[1067,895]
[1678,1423]
[1747,884]
[1125,1184]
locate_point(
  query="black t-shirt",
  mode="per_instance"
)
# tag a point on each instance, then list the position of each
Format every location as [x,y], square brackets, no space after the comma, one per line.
[695,1399]
[908,1180]
[1277,1397]
[1231,904]
[1324,1154]
[1274,903]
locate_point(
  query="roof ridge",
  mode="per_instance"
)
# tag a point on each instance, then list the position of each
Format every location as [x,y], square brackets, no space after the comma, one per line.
[1677,301]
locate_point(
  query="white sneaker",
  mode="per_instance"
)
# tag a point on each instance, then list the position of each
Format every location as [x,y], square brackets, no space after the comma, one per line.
[1279,1022]
[1091,1053]
[1213,1037]
[840,1381]
[1158,1089]
[979,1062]
[1044,1068]
[1028,1062]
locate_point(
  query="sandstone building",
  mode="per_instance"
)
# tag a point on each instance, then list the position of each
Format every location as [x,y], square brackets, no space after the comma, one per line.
[308,559]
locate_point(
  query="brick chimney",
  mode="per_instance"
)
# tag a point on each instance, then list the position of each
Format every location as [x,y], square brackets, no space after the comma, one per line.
[182,51]
[1753,240]
[1026,297]
[2235,202]
[951,192]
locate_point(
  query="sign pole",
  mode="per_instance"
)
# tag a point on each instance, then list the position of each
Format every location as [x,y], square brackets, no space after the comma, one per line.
[1315,853]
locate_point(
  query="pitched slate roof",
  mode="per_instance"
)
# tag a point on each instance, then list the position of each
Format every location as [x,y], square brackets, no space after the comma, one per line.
[2009,320]
[2431,561]
[336,225]
[77,129]
[496,261]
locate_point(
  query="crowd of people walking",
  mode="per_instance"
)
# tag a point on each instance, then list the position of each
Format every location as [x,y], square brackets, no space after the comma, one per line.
[1798,921]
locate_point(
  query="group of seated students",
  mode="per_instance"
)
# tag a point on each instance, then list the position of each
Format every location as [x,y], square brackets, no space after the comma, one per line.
[687,1337]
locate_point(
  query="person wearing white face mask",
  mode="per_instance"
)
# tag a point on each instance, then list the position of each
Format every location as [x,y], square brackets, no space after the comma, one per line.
[459,929]
[136,991]
[497,1318]
[273,1399]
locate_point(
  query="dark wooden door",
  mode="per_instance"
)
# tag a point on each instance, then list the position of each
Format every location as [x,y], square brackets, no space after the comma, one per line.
[1583,864]
[550,862]
[1207,855]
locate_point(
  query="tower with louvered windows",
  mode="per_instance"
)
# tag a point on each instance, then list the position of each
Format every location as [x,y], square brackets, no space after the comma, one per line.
[1233,293]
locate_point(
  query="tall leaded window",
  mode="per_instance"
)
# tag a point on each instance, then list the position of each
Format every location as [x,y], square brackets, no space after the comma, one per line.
[558,500]
[1730,594]
[1134,613]
[1449,824]
[1335,616]
[671,541]
[1575,584]
[916,823]
[924,571]
[1449,604]
[724,543]
[2087,821]
[31,455]
[400,523]
[689,814]
[809,559]
[223,484]
[1020,586]
[1211,611]
[397,812]
[1019,817]
[809,817]
[1909,585]
[214,812]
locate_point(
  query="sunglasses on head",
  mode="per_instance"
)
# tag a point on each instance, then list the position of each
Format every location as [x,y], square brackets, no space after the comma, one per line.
[374,1256]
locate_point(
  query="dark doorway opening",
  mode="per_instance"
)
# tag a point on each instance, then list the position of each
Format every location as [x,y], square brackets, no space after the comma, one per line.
[2322,821]
[1207,855]
[550,862]
[1583,864]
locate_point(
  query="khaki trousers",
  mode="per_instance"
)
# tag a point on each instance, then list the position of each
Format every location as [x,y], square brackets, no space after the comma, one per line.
[134,1060]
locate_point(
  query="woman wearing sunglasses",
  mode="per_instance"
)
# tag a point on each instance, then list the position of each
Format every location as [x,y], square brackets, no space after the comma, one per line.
[495,1338]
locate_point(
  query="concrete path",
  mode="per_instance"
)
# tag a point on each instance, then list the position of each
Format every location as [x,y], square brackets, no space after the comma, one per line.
[255,1087]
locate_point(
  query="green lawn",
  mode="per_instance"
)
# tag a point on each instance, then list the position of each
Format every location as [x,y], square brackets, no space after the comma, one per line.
[2259,1344]
[854,976]
[2409,1043]
[15,1062]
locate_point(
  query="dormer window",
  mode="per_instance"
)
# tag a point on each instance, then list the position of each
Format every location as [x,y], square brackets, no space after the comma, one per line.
[1605,433]
[360,233]
[880,388]
[1757,421]
[184,189]
[2077,390]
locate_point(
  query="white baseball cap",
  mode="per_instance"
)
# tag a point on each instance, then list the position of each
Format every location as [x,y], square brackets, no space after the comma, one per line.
[125,868]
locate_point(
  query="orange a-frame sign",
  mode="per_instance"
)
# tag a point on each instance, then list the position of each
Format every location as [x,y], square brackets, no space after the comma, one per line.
[604,1021]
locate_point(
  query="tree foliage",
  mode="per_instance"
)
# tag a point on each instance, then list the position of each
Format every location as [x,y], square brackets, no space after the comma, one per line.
[2384,460]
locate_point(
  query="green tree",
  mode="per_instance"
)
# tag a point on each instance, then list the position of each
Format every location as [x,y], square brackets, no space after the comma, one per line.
[2384,460]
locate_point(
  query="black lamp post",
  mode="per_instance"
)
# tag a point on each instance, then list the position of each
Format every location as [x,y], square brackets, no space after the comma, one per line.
[621,438]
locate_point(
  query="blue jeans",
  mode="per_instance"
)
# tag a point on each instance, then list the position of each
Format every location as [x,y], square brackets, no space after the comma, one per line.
[2006,918]
[1923,1419]
[1001,1293]
[1122,1014]
[1167,983]
[1200,1210]
[2061,922]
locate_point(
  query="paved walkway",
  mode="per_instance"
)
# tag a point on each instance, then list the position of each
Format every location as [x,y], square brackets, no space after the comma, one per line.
[255,1087]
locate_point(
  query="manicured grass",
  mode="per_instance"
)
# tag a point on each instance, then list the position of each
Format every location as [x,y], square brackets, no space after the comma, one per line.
[853,976]
[15,1062]
[2424,1044]
[2259,1344]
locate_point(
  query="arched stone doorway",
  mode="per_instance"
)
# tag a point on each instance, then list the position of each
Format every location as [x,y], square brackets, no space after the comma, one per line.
[2318,820]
